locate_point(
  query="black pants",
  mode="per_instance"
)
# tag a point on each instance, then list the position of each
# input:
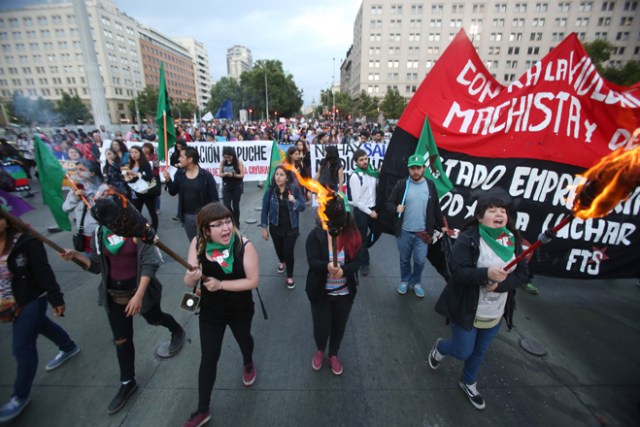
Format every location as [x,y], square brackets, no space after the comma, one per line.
[284,246]
[211,335]
[150,203]
[330,316]
[122,329]
[231,199]
[364,223]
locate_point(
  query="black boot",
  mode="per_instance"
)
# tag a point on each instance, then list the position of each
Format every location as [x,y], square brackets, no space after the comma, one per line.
[177,341]
[126,390]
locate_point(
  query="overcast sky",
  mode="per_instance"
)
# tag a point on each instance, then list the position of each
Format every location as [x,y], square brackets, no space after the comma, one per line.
[304,35]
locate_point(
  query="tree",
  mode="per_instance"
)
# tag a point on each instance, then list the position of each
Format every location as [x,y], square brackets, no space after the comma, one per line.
[599,51]
[393,104]
[147,103]
[72,110]
[367,106]
[183,109]
[343,101]
[285,99]
[226,87]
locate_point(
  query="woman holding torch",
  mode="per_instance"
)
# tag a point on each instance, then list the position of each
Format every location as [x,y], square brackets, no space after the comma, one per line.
[331,286]
[228,272]
[480,292]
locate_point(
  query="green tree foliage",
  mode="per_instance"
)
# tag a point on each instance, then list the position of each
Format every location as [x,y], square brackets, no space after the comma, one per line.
[393,104]
[183,110]
[600,51]
[147,104]
[24,110]
[227,87]
[344,104]
[72,110]
[367,106]
[284,96]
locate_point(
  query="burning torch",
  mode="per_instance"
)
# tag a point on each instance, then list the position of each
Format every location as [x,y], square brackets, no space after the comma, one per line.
[609,182]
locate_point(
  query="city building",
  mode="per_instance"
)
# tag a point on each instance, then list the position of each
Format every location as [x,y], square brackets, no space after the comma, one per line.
[396,43]
[202,75]
[239,60]
[41,54]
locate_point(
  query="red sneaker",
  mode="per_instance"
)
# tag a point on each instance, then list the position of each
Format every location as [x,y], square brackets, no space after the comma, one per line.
[336,366]
[198,419]
[316,362]
[249,374]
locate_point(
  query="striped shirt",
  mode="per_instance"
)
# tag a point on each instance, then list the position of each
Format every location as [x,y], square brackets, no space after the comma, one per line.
[335,283]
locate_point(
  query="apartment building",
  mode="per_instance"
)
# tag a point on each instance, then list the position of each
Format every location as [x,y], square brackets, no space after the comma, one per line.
[396,43]
[202,73]
[239,60]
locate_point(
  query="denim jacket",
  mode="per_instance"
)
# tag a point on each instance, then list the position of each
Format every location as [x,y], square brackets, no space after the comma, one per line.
[270,206]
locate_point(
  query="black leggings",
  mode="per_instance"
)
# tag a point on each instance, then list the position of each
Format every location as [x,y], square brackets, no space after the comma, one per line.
[231,199]
[122,329]
[284,246]
[330,316]
[211,335]
[150,203]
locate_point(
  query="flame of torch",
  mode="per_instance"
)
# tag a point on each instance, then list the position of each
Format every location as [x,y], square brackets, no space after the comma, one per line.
[609,182]
[331,208]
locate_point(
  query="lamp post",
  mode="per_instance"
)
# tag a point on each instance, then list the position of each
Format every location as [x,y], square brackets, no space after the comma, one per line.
[135,99]
[333,92]
[250,111]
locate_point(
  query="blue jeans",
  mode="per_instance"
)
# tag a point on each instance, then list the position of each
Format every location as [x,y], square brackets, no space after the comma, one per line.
[32,321]
[469,346]
[411,245]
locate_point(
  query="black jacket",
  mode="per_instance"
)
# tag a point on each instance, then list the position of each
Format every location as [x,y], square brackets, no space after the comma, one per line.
[318,258]
[32,274]
[434,214]
[458,301]
[208,189]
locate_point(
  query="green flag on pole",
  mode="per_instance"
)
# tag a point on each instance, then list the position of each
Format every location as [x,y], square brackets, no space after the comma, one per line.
[166,130]
[51,174]
[276,159]
[429,151]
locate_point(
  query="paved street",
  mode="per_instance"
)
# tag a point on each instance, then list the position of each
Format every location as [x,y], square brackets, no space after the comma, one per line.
[590,375]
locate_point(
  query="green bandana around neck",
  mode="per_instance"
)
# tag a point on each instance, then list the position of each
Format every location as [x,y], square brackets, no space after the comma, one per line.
[500,240]
[112,242]
[369,171]
[222,254]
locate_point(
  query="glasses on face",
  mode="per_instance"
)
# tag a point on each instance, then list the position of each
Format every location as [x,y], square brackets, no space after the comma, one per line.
[225,222]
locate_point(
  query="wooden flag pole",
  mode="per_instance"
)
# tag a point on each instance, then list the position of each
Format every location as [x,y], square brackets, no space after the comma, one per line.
[75,188]
[166,145]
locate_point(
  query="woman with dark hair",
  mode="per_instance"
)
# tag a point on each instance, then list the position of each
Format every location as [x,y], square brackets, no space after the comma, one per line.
[281,204]
[140,168]
[232,173]
[74,154]
[152,157]
[27,279]
[480,293]
[181,144]
[305,160]
[112,173]
[120,148]
[88,179]
[228,271]
[332,289]
[293,158]
[330,173]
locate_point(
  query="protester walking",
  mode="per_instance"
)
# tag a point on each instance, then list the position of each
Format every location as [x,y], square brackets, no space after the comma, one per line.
[480,293]
[27,283]
[330,172]
[152,158]
[414,203]
[363,183]
[88,179]
[331,289]
[281,205]
[232,174]
[140,169]
[228,272]
[112,172]
[194,186]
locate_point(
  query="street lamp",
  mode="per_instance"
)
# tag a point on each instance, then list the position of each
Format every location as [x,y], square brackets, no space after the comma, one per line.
[250,111]
[276,113]
[135,99]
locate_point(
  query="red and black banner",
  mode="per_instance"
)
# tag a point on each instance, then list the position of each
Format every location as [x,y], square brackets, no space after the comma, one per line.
[528,139]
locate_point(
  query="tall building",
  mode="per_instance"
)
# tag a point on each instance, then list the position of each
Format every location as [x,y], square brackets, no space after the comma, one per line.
[396,43]
[202,75]
[239,60]
[178,66]
[41,54]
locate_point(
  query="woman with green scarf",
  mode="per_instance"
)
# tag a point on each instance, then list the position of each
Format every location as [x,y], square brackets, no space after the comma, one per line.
[128,287]
[480,293]
[228,270]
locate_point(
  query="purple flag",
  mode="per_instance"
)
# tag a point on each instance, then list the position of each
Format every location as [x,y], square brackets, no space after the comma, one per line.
[14,205]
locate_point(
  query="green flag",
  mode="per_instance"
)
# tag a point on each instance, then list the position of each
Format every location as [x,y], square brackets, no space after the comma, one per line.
[51,174]
[164,116]
[276,159]
[434,170]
